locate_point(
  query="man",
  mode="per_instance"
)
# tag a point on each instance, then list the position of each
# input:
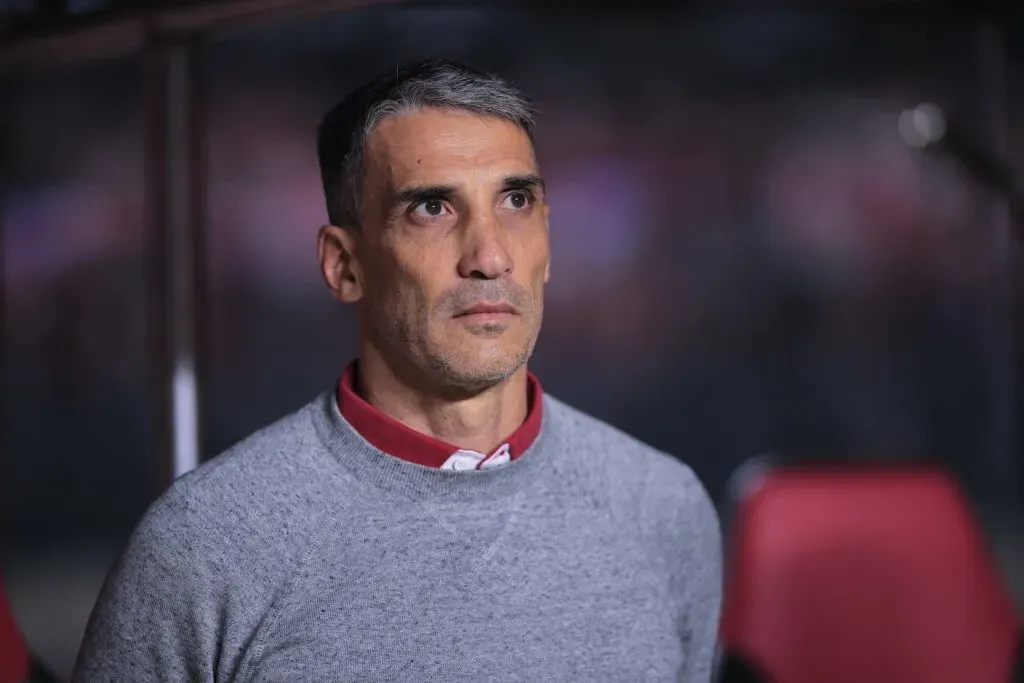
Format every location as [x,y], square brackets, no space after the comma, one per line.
[436,516]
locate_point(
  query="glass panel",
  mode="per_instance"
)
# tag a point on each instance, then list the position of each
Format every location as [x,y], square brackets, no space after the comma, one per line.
[76,432]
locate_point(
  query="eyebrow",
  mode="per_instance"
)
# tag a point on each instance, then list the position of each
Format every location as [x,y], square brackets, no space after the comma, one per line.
[529,181]
[422,193]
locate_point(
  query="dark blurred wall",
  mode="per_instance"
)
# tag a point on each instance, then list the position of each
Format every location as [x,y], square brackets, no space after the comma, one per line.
[747,258]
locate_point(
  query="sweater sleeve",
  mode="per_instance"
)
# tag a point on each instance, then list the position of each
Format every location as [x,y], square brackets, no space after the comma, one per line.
[701,587]
[683,531]
[157,616]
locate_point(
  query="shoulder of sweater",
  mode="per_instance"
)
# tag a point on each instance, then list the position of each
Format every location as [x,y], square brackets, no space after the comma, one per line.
[612,451]
[649,490]
[274,486]
[648,482]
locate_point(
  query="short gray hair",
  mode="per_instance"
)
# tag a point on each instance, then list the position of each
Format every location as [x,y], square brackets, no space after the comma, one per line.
[440,84]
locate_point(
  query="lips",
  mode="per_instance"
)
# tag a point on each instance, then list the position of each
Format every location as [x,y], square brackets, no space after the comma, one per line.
[484,309]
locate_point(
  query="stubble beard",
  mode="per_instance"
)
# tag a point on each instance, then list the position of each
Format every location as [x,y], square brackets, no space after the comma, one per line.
[457,370]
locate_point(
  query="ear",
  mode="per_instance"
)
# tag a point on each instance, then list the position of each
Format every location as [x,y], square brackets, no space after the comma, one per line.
[336,249]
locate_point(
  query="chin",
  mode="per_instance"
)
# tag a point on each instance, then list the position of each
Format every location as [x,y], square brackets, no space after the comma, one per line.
[472,361]
[478,372]
[485,374]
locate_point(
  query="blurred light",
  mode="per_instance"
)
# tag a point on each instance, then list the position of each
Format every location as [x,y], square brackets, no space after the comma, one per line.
[748,477]
[186,419]
[922,125]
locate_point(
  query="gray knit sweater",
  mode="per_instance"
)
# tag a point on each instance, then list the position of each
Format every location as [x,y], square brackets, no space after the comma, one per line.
[305,554]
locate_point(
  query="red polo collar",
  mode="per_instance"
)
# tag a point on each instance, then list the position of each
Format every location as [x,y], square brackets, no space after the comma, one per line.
[394,438]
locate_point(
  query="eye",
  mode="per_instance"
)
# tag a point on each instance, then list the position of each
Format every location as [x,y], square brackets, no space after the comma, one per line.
[429,208]
[518,200]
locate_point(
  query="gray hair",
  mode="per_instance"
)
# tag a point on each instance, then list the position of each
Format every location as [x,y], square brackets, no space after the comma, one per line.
[345,130]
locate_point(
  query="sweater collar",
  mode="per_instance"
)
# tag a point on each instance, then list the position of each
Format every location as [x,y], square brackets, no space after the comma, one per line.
[396,439]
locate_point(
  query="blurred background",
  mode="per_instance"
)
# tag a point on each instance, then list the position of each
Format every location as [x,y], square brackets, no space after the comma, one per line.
[748,258]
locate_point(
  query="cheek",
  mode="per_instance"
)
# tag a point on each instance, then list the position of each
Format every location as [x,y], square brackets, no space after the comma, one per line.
[386,284]
[527,241]
[411,283]
[535,256]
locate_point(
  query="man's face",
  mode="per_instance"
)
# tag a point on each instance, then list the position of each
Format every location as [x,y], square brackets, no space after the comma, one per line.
[453,250]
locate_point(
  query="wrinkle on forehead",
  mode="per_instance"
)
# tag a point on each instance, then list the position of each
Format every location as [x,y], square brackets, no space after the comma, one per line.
[428,145]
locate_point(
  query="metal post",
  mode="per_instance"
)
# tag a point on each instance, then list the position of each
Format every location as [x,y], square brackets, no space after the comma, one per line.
[1002,451]
[6,459]
[175,205]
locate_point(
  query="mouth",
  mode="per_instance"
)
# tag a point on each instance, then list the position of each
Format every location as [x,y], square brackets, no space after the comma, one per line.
[484,313]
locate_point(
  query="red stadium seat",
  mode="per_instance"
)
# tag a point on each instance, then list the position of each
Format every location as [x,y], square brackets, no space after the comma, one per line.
[17,664]
[14,657]
[863,575]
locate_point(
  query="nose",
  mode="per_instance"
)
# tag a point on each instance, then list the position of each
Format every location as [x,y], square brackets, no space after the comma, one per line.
[485,253]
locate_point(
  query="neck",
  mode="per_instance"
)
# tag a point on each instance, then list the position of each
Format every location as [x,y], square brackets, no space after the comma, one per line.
[479,422]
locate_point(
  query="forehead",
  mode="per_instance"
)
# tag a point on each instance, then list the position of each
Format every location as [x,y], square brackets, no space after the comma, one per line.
[434,145]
